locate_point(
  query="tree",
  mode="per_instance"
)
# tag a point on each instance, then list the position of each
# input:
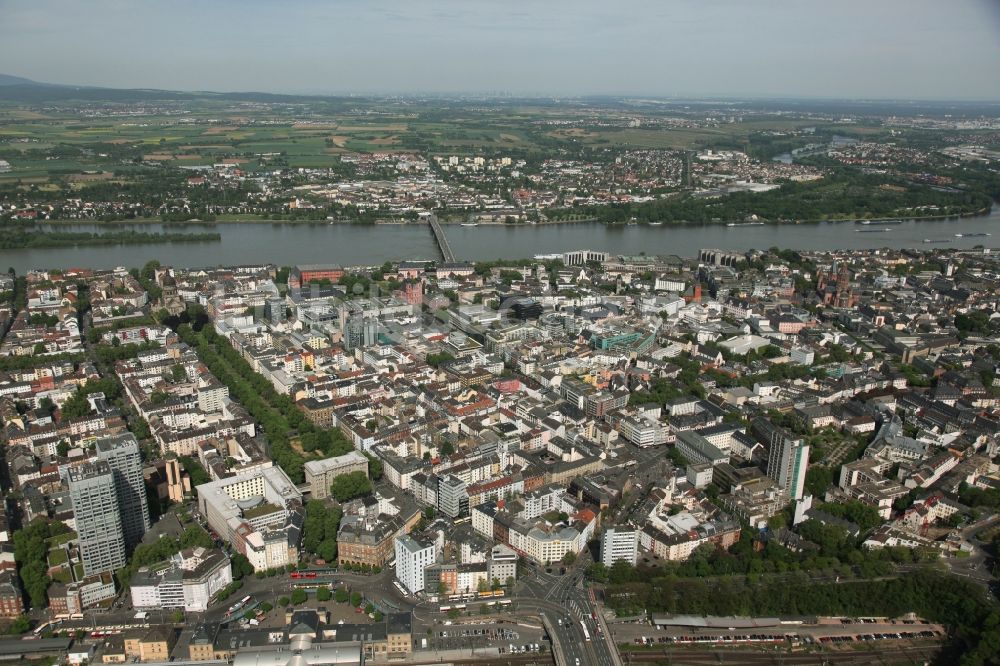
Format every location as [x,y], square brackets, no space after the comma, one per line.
[20,625]
[283,601]
[569,558]
[374,467]
[194,470]
[177,617]
[430,513]
[349,486]
[323,594]
[341,596]
[818,479]
[598,572]
[299,596]
[356,599]
[266,607]
[437,359]
[47,406]
[30,552]
[241,566]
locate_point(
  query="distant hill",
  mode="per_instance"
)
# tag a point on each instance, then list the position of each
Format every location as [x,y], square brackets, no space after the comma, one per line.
[8,80]
[20,89]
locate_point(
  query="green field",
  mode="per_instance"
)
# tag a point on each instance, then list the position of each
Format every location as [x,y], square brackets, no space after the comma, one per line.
[53,143]
[118,148]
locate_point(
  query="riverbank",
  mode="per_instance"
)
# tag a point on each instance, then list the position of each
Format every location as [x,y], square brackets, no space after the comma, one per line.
[27,238]
[983,212]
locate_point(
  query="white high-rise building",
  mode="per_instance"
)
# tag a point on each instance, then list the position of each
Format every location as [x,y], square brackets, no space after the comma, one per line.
[412,558]
[787,462]
[98,518]
[121,452]
[619,544]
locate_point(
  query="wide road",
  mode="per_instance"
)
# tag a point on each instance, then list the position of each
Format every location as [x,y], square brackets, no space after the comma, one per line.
[567,603]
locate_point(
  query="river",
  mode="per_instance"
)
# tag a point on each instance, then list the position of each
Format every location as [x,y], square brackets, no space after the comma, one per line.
[354,245]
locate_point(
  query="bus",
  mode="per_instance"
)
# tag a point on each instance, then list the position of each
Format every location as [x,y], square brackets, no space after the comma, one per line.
[586,634]
[238,605]
[37,633]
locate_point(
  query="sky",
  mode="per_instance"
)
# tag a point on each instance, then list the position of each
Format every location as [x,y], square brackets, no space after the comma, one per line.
[848,49]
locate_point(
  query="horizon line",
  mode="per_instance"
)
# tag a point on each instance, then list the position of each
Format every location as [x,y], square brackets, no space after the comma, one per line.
[496,94]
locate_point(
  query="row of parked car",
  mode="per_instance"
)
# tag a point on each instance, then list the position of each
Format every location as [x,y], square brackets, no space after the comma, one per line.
[736,638]
[877,637]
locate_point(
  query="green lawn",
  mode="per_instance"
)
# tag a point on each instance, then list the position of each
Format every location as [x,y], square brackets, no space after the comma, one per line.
[57,556]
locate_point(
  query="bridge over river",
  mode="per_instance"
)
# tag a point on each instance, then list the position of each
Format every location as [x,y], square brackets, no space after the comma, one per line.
[441,239]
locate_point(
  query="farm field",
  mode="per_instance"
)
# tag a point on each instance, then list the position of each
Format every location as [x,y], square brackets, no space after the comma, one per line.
[76,142]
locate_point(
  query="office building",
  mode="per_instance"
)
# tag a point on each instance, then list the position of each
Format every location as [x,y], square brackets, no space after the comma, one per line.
[122,455]
[787,462]
[697,449]
[502,565]
[260,513]
[619,544]
[360,332]
[99,526]
[453,499]
[412,557]
[187,580]
[321,473]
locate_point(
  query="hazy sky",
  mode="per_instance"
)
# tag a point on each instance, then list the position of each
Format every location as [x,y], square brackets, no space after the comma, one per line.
[919,49]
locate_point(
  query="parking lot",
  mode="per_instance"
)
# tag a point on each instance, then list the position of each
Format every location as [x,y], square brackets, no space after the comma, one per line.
[783,638]
[826,632]
[507,638]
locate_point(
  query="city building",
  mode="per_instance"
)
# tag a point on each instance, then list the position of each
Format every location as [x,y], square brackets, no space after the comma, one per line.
[502,565]
[453,500]
[321,473]
[787,462]
[301,275]
[360,332]
[11,599]
[259,514]
[99,524]
[188,580]
[619,544]
[412,557]
[697,449]
[122,455]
